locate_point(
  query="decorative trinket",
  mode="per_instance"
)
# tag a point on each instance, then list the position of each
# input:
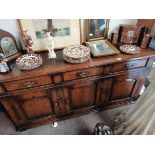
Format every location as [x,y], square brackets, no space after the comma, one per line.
[29,61]
[27,42]
[130,49]
[76,54]
[3,65]
[50,40]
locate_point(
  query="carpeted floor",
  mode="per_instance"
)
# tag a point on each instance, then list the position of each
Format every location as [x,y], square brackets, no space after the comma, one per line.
[83,125]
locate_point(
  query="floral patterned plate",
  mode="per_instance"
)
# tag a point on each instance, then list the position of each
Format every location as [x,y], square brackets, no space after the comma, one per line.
[29,61]
[130,49]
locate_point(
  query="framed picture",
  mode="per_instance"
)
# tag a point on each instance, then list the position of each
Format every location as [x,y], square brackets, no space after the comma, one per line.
[8,45]
[96,29]
[102,48]
[65,32]
[132,34]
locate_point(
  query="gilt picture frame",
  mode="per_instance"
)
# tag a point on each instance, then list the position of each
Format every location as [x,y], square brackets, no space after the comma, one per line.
[65,32]
[103,47]
[96,29]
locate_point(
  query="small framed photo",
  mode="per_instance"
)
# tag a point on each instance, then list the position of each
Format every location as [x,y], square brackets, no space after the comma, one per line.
[96,29]
[65,32]
[102,48]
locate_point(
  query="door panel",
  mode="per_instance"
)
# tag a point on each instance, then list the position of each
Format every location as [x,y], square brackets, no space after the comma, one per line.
[37,107]
[82,94]
[124,85]
[32,105]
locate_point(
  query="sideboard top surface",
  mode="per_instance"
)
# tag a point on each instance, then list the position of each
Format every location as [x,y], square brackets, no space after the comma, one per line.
[59,65]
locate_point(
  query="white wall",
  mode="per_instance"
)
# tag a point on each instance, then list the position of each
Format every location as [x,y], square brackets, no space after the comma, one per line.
[114,24]
[11,26]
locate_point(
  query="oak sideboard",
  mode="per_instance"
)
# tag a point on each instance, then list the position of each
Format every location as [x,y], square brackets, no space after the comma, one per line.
[58,90]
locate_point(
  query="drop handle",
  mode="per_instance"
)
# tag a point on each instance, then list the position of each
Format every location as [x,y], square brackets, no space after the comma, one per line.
[55,104]
[67,101]
[30,84]
[129,65]
[82,74]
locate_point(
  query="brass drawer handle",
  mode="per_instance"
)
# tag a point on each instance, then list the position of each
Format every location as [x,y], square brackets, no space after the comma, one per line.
[129,65]
[83,74]
[30,84]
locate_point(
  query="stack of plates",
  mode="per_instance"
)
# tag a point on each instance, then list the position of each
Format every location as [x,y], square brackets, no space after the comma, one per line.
[76,54]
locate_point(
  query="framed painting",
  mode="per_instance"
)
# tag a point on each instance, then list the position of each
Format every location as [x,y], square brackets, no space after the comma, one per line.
[65,32]
[100,48]
[96,29]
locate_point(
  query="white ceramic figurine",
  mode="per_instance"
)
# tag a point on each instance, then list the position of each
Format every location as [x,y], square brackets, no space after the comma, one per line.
[51,53]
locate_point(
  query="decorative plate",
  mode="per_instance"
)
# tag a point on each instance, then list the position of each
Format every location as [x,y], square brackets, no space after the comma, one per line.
[76,54]
[29,61]
[130,49]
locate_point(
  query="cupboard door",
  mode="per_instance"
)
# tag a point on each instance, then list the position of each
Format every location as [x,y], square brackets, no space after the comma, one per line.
[124,85]
[103,92]
[82,94]
[31,105]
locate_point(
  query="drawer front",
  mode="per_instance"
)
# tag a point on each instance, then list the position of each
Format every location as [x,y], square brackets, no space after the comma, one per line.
[83,73]
[28,83]
[128,65]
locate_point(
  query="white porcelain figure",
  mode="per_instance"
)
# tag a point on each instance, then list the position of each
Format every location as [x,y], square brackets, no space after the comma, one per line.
[51,53]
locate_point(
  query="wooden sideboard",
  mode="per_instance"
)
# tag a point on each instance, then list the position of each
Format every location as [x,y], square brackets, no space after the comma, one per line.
[59,90]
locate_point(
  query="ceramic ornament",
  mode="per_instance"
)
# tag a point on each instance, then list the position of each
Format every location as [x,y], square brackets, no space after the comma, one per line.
[27,42]
[50,39]
[3,65]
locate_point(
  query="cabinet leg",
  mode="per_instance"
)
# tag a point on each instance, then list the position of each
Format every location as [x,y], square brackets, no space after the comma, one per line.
[54,124]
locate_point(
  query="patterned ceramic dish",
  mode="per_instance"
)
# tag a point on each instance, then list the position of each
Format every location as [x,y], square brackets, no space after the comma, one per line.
[130,49]
[29,61]
[76,54]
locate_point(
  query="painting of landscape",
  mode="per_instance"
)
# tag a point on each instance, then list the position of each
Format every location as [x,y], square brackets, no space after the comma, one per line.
[58,27]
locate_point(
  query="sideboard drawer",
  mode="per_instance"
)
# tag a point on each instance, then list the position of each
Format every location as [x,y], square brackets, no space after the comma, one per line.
[83,73]
[129,65]
[27,83]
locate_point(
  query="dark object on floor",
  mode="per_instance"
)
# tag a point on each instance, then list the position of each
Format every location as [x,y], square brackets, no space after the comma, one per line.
[102,129]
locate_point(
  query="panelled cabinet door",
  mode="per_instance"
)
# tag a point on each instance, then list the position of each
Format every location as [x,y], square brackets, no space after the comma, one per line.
[28,106]
[124,86]
[61,101]
[103,92]
[82,94]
